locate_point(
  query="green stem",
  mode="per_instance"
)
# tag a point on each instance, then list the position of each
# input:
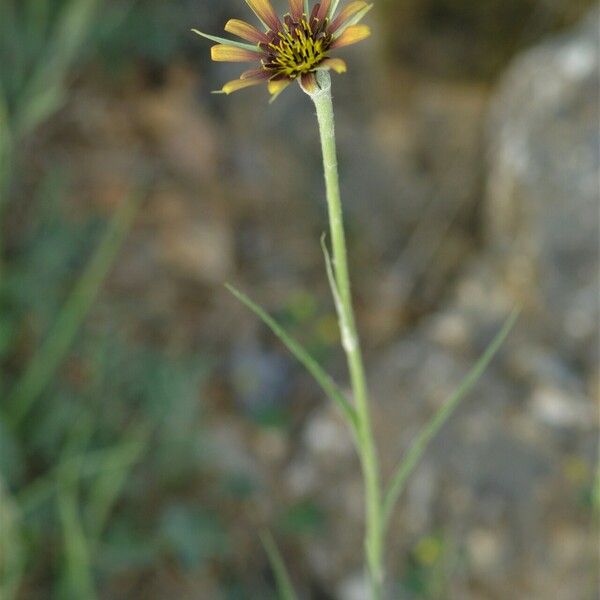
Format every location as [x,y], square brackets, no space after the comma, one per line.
[350,341]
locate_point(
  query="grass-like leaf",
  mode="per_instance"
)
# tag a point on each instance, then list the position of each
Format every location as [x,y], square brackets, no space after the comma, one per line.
[312,366]
[282,578]
[108,485]
[431,429]
[95,464]
[44,91]
[220,40]
[77,575]
[54,349]
[12,545]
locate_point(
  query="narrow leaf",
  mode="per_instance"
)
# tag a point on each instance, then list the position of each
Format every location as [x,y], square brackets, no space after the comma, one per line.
[310,364]
[77,574]
[94,463]
[220,40]
[331,277]
[431,429]
[335,292]
[282,578]
[12,545]
[107,487]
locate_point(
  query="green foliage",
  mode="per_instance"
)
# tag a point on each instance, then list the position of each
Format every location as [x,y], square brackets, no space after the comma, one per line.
[131,394]
[429,568]
[302,518]
[193,535]
[152,31]
[285,589]
[50,354]
[12,550]
[39,42]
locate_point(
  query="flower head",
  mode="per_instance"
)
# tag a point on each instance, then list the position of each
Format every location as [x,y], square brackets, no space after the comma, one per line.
[292,48]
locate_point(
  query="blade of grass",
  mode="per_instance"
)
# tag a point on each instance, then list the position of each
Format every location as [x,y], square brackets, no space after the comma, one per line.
[93,464]
[12,551]
[53,350]
[77,577]
[310,364]
[285,589]
[110,481]
[431,429]
[5,149]
[45,92]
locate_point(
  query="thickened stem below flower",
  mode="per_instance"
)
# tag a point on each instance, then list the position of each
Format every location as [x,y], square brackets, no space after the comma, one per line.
[322,99]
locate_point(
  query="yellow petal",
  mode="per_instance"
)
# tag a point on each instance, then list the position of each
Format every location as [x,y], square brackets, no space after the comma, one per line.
[336,64]
[277,86]
[225,53]
[240,84]
[245,31]
[264,10]
[352,35]
[260,73]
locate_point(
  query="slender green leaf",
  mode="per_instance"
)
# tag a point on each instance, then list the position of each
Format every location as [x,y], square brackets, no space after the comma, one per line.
[77,577]
[44,91]
[285,589]
[220,40]
[345,329]
[93,464]
[431,429]
[107,487]
[54,349]
[321,377]
[331,278]
[12,547]
[6,147]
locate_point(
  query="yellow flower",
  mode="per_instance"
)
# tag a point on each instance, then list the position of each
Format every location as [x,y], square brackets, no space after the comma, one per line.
[292,48]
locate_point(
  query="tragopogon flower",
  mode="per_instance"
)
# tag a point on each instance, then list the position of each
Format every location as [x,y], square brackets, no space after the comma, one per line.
[293,48]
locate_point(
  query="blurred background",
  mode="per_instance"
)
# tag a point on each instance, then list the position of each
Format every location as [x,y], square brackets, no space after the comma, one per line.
[150,426]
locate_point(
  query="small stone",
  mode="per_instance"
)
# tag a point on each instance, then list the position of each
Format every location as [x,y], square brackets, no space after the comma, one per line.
[355,587]
[485,549]
[450,330]
[201,250]
[561,409]
[272,446]
[301,478]
[326,435]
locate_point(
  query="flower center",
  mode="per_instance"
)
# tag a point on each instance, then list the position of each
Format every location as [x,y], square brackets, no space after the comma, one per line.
[297,48]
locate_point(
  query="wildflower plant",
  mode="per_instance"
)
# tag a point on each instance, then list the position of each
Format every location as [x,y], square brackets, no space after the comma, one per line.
[298,47]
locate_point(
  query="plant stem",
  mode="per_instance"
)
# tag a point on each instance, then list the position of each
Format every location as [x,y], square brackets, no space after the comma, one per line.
[350,341]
